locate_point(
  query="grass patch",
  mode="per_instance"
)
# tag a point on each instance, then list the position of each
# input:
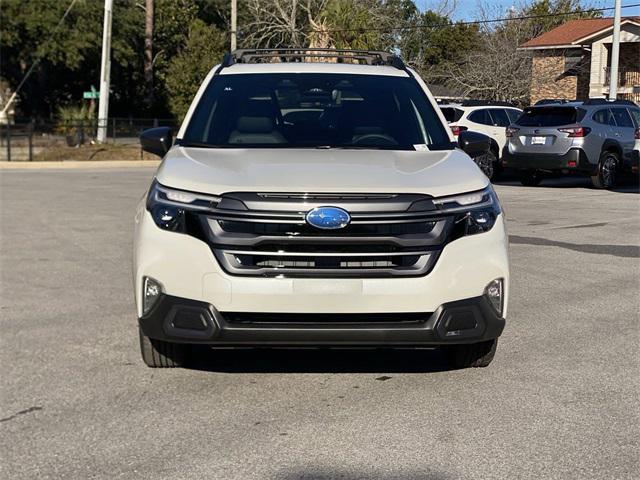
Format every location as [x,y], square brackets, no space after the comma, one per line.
[59,153]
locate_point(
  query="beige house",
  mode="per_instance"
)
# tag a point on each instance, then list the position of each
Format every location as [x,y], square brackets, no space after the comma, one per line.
[573,60]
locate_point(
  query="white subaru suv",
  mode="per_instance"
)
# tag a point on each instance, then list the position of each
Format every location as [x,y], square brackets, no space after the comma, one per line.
[484,116]
[318,203]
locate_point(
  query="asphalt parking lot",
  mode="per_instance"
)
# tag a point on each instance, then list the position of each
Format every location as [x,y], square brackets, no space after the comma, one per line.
[559,401]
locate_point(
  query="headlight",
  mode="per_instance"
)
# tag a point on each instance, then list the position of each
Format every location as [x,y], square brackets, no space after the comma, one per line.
[169,207]
[476,211]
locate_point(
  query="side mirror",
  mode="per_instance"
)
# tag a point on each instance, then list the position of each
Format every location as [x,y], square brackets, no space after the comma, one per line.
[157,140]
[474,143]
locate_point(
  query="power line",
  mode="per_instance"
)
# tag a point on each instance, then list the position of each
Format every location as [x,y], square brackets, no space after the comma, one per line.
[38,58]
[474,22]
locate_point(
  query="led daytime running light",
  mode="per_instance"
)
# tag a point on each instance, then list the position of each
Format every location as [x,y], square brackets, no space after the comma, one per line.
[482,198]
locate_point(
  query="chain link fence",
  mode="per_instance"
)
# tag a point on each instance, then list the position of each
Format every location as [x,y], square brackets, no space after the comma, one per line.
[30,140]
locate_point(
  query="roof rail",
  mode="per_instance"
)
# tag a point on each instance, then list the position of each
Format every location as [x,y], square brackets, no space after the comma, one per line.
[265,55]
[604,101]
[547,101]
[482,103]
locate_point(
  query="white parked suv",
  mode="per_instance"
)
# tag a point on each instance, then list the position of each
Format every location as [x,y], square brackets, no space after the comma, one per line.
[318,204]
[490,118]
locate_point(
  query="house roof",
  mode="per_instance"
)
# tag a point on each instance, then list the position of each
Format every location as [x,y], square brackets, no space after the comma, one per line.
[573,31]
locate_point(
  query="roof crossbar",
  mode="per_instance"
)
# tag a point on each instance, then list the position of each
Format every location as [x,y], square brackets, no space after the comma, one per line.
[485,103]
[266,55]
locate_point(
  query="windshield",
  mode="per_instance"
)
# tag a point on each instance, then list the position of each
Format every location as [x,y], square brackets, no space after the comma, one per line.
[549,116]
[315,111]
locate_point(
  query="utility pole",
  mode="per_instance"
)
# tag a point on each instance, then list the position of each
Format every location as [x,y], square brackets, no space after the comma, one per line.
[615,53]
[148,52]
[234,24]
[105,73]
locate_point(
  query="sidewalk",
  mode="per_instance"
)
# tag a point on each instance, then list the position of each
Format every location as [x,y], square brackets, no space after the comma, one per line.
[78,164]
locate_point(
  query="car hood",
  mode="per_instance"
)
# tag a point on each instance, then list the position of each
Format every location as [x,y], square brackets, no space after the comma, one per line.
[218,171]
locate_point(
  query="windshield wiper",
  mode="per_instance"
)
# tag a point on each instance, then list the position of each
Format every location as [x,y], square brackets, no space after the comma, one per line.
[198,145]
[369,147]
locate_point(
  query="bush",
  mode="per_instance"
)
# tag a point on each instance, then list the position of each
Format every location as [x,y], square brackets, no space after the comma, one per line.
[75,121]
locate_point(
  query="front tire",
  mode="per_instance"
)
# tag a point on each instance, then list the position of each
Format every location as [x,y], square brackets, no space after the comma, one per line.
[606,177]
[530,178]
[160,354]
[472,355]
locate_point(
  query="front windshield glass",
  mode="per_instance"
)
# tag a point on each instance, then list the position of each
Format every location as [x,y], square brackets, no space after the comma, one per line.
[310,110]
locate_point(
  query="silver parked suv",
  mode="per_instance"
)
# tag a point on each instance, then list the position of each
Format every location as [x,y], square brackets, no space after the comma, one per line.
[596,137]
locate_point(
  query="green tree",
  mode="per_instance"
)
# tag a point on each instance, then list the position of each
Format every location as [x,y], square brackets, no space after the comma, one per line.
[437,42]
[70,59]
[554,13]
[204,48]
[172,21]
[352,24]
[428,41]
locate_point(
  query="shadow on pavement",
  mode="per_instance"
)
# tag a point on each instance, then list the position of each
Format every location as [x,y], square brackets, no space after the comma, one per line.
[318,360]
[332,474]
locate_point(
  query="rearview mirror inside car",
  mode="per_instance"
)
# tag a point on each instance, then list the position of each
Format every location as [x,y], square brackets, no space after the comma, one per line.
[474,143]
[157,140]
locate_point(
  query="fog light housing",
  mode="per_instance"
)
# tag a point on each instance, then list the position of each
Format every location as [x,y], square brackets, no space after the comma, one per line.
[151,292]
[494,292]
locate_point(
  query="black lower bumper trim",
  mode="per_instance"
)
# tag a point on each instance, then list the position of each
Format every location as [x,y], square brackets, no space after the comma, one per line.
[188,321]
[548,161]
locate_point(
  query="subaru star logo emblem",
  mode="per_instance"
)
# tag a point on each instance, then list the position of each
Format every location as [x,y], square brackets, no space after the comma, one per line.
[328,218]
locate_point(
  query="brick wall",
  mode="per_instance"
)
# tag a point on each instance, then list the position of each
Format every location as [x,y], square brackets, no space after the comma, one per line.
[548,79]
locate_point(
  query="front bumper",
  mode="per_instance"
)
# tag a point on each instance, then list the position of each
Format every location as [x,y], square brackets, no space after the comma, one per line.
[574,160]
[187,268]
[187,321]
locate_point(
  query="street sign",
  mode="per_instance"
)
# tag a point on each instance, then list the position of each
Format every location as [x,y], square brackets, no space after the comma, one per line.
[92,94]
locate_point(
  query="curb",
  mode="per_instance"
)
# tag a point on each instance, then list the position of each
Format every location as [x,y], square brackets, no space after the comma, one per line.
[74,164]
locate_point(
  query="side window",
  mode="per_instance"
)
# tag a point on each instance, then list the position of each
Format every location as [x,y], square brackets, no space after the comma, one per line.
[513,114]
[602,116]
[623,119]
[635,113]
[481,116]
[499,116]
